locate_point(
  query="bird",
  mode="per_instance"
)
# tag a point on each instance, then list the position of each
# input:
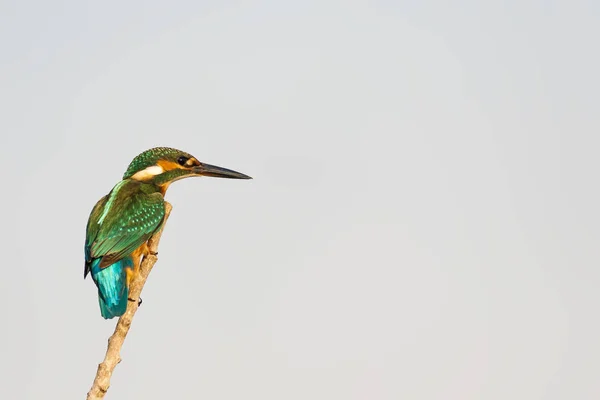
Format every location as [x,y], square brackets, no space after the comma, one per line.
[121,223]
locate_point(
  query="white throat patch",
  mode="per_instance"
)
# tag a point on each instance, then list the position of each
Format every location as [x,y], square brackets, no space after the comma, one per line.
[148,173]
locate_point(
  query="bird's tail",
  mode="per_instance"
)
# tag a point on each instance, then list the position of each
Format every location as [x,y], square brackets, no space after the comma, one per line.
[112,287]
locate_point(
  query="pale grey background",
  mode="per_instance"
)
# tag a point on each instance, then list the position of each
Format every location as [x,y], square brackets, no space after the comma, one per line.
[423,222]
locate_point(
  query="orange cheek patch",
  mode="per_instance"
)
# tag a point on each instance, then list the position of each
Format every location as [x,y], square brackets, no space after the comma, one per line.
[168,165]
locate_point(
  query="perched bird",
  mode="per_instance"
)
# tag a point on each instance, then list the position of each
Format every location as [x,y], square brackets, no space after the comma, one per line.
[121,222]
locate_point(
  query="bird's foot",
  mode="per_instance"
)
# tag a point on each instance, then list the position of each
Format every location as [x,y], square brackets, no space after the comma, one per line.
[139,301]
[146,250]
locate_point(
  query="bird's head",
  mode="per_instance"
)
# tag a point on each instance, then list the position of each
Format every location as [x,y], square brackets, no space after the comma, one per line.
[163,165]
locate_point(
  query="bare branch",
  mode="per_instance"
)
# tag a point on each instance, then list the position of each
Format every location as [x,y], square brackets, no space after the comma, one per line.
[113,357]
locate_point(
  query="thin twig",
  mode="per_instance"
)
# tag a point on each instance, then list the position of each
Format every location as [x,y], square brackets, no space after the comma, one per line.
[112,358]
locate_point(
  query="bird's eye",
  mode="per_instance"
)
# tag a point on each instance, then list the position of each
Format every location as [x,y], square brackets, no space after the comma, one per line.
[182,160]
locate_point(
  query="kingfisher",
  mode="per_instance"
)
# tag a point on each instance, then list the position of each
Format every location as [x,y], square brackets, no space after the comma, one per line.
[122,222]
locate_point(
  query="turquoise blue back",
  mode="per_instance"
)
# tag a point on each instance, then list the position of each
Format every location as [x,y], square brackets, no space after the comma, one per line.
[112,286]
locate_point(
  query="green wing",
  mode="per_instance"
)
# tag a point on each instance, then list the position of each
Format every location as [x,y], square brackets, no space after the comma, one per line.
[129,217]
[92,231]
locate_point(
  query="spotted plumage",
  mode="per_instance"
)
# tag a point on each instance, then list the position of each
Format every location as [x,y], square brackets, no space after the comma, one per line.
[121,222]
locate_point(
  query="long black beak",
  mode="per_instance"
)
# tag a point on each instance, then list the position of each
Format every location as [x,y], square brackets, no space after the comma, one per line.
[218,172]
